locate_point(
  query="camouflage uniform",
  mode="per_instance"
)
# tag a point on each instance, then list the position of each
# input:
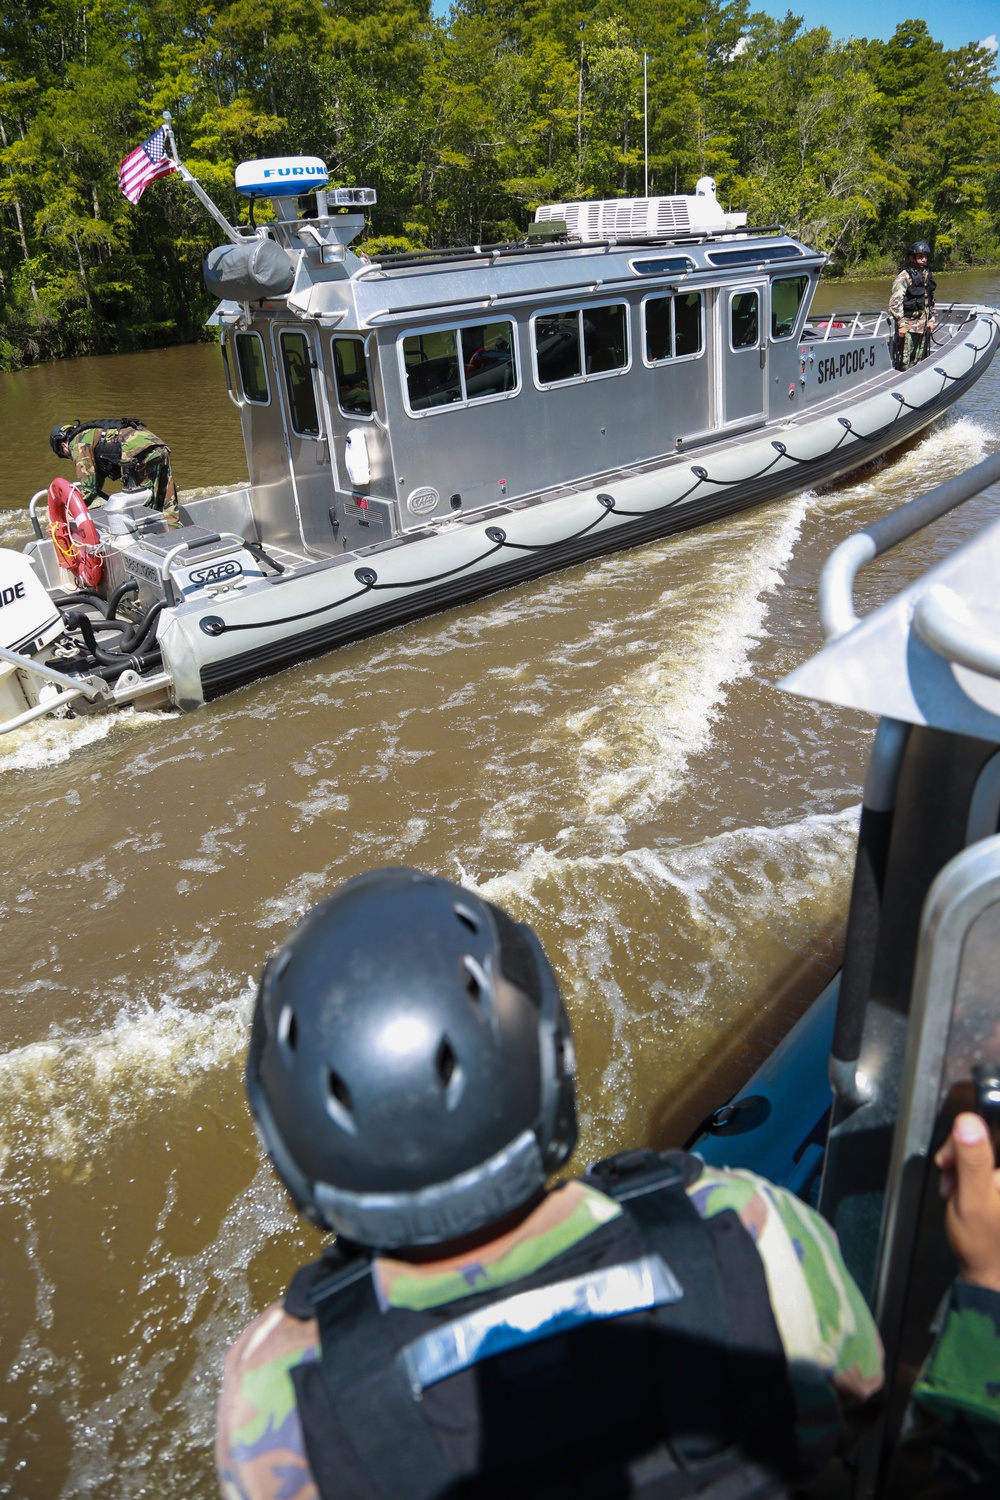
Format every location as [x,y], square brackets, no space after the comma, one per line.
[829,1338]
[911,332]
[951,1444]
[144,462]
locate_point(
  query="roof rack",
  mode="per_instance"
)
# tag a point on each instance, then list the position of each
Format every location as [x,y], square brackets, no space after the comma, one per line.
[508,248]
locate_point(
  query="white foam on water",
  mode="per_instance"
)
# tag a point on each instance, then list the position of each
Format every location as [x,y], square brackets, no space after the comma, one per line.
[635,746]
[50,742]
[660,946]
[66,1096]
[15,527]
[953,443]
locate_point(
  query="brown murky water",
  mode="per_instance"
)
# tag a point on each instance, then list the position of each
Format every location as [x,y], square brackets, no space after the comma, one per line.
[603,751]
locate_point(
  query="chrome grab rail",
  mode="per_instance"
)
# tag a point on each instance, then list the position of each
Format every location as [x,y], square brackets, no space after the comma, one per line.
[938,624]
[944,624]
[35,524]
[203,545]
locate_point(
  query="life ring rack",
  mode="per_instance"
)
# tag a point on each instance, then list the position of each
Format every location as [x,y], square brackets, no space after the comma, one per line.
[74,535]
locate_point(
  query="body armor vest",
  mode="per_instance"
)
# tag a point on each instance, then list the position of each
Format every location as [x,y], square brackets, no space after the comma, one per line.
[682,1397]
[108,443]
[919,295]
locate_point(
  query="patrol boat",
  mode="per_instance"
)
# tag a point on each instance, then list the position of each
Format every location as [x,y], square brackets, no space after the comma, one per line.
[424,428]
[850,1108]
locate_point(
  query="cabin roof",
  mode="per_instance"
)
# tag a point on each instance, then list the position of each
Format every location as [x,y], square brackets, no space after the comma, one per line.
[883,665]
[486,279]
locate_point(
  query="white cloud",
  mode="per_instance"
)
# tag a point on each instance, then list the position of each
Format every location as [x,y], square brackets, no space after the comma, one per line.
[990,43]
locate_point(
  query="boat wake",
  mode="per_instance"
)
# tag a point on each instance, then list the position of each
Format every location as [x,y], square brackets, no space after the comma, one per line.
[955,442]
[634,747]
[657,968]
[652,953]
[50,742]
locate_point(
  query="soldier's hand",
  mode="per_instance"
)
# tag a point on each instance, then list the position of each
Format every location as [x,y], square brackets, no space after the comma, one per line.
[971,1184]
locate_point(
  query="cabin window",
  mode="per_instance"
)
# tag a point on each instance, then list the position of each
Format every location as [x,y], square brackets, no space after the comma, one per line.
[757,255]
[253,371]
[786,299]
[663,265]
[672,327]
[457,366]
[575,345]
[297,357]
[488,359]
[557,347]
[354,392]
[744,320]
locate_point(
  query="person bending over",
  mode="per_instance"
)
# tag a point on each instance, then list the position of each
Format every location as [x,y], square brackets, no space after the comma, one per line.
[119,449]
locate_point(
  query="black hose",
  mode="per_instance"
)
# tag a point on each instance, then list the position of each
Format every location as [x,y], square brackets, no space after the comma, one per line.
[138,638]
[138,664]
[127,652]
[128,587]
[84,596]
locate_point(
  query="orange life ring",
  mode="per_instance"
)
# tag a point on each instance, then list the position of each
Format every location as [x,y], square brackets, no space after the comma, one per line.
[72,529]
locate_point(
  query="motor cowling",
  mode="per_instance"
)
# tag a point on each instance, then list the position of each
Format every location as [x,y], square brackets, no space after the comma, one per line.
[28,618]
[29,622]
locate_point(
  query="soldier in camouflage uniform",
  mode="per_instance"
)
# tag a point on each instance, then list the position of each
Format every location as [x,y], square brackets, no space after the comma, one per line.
[911,305]
[119,449]
[381,948]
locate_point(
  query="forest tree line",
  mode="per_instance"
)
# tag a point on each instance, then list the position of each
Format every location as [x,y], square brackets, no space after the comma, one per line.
[463,126]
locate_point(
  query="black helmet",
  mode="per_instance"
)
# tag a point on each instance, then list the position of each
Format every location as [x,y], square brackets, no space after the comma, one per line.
[411,1064]
[58,436]
[919,247]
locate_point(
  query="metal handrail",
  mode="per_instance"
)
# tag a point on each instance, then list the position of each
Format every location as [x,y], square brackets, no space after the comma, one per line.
[203,544]
[836,585]
[35,524]
[942,622]
[61,700]
[92,689]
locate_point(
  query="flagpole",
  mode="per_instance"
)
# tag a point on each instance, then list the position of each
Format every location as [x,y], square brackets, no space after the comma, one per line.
[195,185]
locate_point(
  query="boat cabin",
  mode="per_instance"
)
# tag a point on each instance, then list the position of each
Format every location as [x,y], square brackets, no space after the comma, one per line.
[378,396]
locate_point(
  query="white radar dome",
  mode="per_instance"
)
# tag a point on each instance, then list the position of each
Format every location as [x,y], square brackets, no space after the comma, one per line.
[281,176]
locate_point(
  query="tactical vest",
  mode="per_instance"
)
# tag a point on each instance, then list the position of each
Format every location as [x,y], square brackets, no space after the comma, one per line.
[108,449]
[919,295]
[689,1395]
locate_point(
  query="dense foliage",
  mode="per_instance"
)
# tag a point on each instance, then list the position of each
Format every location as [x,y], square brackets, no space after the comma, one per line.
[462,125]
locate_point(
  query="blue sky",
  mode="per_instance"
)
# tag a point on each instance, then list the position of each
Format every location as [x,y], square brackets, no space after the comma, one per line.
[953,23]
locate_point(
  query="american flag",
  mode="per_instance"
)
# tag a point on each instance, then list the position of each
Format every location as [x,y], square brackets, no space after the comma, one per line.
[144,165]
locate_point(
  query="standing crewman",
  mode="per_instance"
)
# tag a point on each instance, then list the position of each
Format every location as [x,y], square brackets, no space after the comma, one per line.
[122,449]
[658,1327]
[911,305]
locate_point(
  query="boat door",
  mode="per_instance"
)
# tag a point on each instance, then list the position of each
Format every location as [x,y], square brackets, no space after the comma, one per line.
[741,366]
[306,423]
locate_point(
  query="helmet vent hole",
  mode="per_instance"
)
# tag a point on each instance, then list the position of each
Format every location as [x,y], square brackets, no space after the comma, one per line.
[338,1088]
[338,1102]
[449,1073]
[467,918]
[287,1028]
[476,982]
[445,1062]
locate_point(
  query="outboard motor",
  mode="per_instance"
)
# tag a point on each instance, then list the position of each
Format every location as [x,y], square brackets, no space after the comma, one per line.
[29,623]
